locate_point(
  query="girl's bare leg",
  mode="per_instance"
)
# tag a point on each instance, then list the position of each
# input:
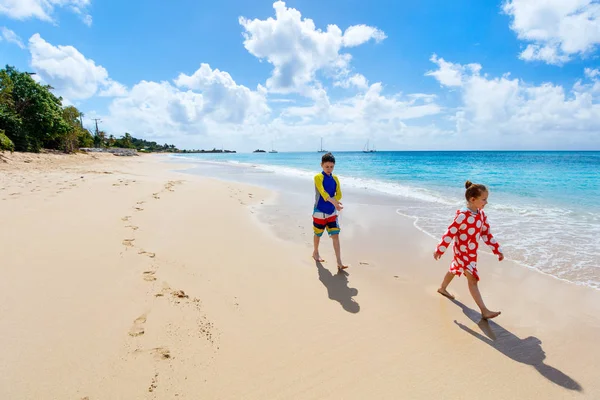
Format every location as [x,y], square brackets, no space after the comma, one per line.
[474,289]
[447,279]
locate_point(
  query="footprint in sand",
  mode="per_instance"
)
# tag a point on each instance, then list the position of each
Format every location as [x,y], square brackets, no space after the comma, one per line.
[180,294]
[162,353]
[147,253]
[149,276]
[135,228]
[156,196]
[137,329]
[128,242]
[139,209]
[126,218]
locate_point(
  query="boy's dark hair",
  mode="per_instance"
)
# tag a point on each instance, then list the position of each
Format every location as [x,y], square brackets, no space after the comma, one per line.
[474,190]
[328,158]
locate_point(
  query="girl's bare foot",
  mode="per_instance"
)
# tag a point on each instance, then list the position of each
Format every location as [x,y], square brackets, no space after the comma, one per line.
[317,257]
[490,314]
[444,292]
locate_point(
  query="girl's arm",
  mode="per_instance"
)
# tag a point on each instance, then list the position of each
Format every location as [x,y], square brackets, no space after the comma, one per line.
[450,234]
[489,239]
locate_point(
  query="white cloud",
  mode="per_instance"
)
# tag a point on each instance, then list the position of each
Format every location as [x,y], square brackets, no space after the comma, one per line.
[43,9]
[556,30]
[502,111]
[226,100]
[11,37]
[449,74]
[70,72]
[298,50]
[87,19]
[356,80]
[364,109]
[359,34]
[206,98]
[153,109]
[113,89]
[592,73]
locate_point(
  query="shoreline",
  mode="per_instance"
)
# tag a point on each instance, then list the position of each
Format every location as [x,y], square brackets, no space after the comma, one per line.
[164,285]
[274,181]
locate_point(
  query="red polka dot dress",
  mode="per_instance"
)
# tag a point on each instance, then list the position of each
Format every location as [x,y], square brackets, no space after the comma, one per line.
[466,230]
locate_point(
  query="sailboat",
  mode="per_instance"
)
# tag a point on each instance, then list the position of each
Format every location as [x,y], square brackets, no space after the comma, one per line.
[367,150]
[321,150]
[272,149]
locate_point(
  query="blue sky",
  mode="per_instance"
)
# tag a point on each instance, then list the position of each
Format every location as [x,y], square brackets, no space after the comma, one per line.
[549,100]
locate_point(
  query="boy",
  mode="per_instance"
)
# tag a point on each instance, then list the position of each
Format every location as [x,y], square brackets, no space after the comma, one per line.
[328,194]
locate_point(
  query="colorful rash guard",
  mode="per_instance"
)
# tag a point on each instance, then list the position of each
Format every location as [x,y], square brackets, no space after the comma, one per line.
[466,230]
[326,186]
[324,214]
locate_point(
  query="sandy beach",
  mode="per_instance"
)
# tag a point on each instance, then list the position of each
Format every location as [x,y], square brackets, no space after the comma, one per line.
[126,278]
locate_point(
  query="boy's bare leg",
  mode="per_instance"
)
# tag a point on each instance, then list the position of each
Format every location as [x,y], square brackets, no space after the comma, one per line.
[336,248]
[474,289]
[316,255]
[447,279]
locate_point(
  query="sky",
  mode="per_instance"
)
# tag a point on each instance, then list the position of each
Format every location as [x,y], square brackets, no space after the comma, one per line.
[241,74]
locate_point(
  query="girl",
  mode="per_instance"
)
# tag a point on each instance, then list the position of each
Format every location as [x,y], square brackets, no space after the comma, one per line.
[468,226]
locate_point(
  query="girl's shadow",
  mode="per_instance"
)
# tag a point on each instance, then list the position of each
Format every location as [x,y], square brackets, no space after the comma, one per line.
[527,351]
[337,288]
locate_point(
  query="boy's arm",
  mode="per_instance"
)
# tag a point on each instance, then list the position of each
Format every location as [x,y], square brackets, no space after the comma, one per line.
[338,190]
[489,239]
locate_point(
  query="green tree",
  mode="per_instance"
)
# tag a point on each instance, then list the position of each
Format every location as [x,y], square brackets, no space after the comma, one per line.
[6,143]
[70,141]
[9,119]
[100,139]
[32,118]
[126,141]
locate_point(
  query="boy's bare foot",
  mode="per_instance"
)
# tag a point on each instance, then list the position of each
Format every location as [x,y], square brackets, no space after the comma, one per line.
[317,258]
[341,267]
[490,314]
[444,292]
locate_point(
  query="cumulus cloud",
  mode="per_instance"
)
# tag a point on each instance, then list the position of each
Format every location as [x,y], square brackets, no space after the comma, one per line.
[503,110]
[226,100]
[556,30]
[43,9]
[11,37]
[188,106]
[70,72]
[359,34]
[449,74]
[297,49]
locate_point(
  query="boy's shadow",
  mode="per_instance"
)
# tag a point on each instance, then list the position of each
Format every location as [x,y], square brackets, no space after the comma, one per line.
[527,351]
[337,288]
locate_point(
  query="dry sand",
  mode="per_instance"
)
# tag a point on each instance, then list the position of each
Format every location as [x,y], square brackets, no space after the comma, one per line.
[125,279]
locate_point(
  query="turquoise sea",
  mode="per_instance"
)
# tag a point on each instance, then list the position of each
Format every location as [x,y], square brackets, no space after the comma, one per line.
[544,207]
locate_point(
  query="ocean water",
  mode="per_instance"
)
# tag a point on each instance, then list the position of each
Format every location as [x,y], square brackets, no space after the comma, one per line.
[544,207]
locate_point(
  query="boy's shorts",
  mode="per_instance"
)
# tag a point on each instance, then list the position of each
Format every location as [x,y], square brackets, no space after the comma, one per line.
[322,221]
